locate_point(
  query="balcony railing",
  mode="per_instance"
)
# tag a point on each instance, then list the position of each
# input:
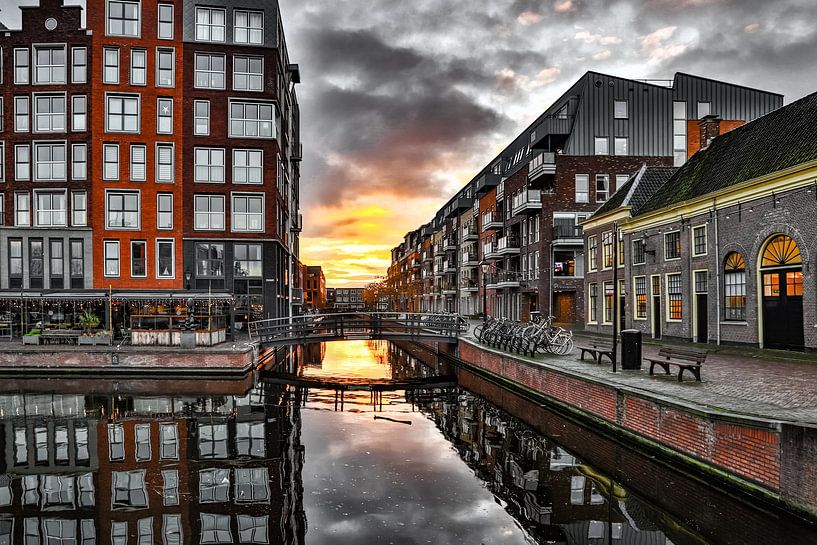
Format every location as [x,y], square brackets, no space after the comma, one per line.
[470,259]
[489,221]
[567,231]
[450,266]
[500,190]
[467,284]
[450,244]
[528,201]
[503,279]
[507,246]
[544,163]
[469,232]
[489,251]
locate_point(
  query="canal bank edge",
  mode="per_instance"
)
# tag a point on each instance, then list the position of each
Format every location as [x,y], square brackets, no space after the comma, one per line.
[765,458]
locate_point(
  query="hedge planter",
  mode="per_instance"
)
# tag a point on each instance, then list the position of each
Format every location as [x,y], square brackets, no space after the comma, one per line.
[31,339]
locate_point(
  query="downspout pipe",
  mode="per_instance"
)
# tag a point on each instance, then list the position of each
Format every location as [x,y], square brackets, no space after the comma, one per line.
[717,273]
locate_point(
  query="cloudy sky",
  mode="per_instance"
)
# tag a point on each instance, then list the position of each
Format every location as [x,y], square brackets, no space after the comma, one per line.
[404,101]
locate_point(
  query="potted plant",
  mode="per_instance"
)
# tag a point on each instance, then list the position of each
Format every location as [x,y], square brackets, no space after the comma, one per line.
[33,336]
[90,335]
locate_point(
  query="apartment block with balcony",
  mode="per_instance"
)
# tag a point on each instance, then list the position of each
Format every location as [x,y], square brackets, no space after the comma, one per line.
[534,195]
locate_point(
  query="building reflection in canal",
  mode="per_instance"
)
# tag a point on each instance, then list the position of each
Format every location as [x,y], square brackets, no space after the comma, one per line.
[81,468]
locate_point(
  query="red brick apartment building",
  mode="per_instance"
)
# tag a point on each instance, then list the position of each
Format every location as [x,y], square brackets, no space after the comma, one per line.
[151,155]
[553,175]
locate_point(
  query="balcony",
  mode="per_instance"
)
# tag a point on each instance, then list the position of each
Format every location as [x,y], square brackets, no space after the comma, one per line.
[489,222]
[527,202]
[298,152]
[449,288]
[469,285]
[469,232]
[415,263]
[458,205]
[450,244]
[486,182]
[439,267]
[428,257]
[297,223]
[542,165]
[504,279]
[568,234]
[489,252]
[450,267]
[552,132]
[507,246]
[500,190]
[469,260]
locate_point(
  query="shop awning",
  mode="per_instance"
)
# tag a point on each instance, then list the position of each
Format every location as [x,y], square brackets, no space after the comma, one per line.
[178,295]
[58,295]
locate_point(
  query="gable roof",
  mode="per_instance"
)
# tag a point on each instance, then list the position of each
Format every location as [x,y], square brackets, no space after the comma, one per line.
[779,140]
[638,189]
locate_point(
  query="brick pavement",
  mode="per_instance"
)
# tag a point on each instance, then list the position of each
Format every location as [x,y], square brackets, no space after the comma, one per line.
[760,383]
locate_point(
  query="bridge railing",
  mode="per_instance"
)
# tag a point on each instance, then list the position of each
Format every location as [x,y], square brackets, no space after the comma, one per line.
[316,327]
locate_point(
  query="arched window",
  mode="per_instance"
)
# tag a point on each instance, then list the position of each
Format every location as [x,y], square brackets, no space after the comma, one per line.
[782,251]
[734,281]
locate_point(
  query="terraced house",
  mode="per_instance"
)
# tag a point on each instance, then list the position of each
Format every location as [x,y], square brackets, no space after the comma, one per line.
[519,243]
[720,249]
[148,155]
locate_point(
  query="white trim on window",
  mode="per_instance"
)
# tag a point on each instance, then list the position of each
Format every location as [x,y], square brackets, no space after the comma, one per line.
[245,217]
[164,23]
[165,162]
[160,54]
[169,273]
[162,213]
[114,258]
[123,193]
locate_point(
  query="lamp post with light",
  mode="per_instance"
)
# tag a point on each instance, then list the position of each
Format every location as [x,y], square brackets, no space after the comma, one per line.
[484,266]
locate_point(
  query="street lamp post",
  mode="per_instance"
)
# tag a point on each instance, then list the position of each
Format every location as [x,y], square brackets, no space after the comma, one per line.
[484,293]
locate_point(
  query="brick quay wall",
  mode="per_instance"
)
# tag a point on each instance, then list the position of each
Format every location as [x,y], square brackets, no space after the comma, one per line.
[774,460]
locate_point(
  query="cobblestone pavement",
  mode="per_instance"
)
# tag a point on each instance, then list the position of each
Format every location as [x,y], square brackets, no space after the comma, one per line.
[752,382]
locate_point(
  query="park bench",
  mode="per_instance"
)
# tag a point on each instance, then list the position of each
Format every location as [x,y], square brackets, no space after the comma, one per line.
[686,359]
[597,352]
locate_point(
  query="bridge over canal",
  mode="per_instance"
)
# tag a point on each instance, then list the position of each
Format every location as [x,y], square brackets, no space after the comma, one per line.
[396,326]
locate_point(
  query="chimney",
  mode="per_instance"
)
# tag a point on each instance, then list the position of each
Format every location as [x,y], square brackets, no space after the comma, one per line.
[710,126]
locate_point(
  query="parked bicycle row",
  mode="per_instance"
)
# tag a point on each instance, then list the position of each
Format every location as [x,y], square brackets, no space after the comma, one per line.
[532,338]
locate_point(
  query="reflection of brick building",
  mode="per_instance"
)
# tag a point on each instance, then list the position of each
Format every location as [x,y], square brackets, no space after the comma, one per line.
[167,470]
[315,293]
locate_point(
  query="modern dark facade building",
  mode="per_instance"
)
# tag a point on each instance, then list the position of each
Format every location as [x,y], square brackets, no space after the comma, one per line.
[529,201]
[718,250]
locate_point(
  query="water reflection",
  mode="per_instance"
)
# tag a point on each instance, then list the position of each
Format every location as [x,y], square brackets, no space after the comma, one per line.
[282,463]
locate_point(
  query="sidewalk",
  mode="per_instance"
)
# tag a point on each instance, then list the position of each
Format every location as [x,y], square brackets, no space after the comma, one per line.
[752,382]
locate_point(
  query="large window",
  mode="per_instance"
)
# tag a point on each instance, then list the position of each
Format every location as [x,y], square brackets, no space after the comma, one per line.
[49,113]
[79,209]
[49,64]
[621,145]
[699,240]
[77,264]
[210,24]
[215,528]
[164,211]
[165,170]
[214,485]
[247,260]
[165,258]
[209,212]
[608,302]
[128,489]
[201,121]
[734,281]
[213,441]
[165,67]
[602,187]
[21,114]
[607,250]
[210,260]
[49,161]
[672,245]
[593,303]
[110,162]
[249,27]
[592,252]
[22,65]
[253,529]
[138,163]
[248,73]
[51,208]
[36,268]
[248,166]
[79,161]
[110,69]
[210,71]
[209,165]
[138,259]
[164,116]
[564,263]
[601,145]
[79,113]
[582,188]
[22,209]
[123,18]
[639,252]
[640,295]
[169,437]
[620,109]
[122,113]
[165,30]
[111,251]
[16,262]
[252,119]
[248,213]
[138,67]
[674,297]
[122,209]
[251,485]
[79,65]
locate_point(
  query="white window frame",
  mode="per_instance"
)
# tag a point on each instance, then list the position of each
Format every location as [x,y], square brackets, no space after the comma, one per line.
[124,97]
[18,100]
[209,199]
[106,245]
[161,212]
[233,197]
[708,108]
[107,164]
[618,140]
[248,74]
[161,146]
[244,120]
[210,166]
[606,192]
[52,211]
[76,220]
[582,196]
[247,12]
[247,153]
[141,70]
[621,115]
[22,198]
[159,115]
[18,67]
[601,145]
[2,161]
[52,144]
[50,114]
[159,242]
[210,25]
[111,192]
[106,66]
[79,122]
[35,71]
[84,161]
[108,31]
[197,117]
[144,243]
[17,163]
[77,66]
[133,163]
[160,22]
[209,71]
[159,52]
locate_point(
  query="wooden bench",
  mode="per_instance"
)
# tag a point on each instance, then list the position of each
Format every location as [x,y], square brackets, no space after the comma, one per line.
[597,352]
[686,359]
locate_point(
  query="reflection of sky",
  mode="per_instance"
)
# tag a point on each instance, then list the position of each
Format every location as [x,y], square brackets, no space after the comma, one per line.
[349,359]
[375,481]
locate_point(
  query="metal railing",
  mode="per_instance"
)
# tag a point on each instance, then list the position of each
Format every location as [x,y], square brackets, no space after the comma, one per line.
[567,231]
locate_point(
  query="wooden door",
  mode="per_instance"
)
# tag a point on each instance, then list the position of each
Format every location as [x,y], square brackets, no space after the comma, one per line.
[564,304]
[701,318]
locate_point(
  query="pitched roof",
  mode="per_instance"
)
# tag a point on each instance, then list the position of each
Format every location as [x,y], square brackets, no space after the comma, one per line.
[638,189]
[779,140]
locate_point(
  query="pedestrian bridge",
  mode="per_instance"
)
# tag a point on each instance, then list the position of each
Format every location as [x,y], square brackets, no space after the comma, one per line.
[396,326]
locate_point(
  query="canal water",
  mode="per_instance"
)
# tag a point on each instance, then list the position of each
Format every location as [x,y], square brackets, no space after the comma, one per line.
[364,443]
